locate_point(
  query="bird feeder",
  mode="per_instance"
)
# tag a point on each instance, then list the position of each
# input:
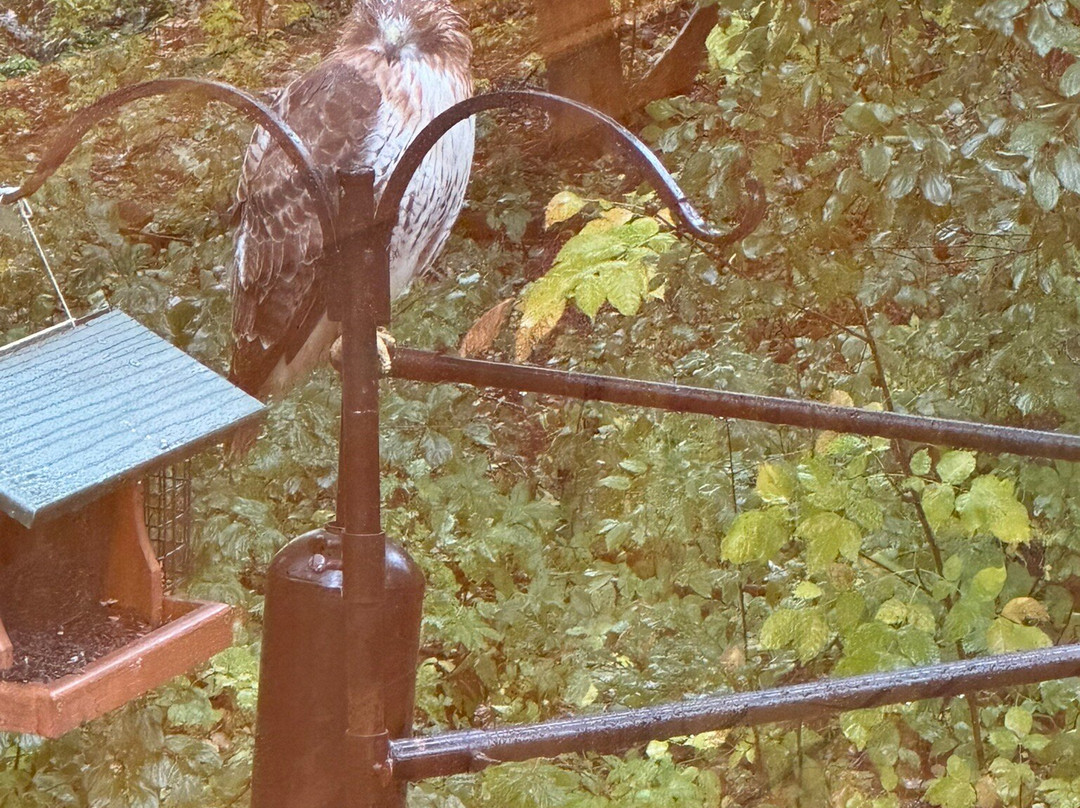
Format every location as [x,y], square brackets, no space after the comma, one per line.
[90,408]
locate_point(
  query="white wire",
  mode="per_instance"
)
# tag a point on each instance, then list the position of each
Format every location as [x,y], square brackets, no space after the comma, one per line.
[27,214]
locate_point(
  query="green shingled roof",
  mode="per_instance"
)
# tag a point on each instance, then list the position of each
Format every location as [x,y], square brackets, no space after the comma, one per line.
[84,407]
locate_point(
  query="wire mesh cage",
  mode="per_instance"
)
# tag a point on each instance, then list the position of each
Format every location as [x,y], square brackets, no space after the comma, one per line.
[168,519]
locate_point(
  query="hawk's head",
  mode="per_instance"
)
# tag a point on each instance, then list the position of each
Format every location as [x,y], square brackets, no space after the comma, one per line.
[409,29]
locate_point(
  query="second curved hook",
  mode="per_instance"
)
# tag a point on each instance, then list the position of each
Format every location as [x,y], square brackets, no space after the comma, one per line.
[624,140]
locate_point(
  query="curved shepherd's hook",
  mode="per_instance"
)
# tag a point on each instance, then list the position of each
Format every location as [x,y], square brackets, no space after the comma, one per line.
[630,146]
[627,143]
[250,106]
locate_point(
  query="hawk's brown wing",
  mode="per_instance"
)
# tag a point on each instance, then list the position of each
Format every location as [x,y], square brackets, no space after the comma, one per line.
[277,299]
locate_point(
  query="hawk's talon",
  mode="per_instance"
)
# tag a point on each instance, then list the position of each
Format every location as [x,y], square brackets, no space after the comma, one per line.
[384,344]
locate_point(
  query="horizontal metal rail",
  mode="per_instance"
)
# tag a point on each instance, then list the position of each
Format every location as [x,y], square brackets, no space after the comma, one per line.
[609,733]
[425,366]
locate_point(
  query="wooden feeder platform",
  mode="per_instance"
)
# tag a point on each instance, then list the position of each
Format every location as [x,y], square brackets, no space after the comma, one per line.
[85,625]
[192,633]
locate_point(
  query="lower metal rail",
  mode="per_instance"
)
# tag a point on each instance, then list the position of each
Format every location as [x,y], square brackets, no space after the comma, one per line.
[609,733]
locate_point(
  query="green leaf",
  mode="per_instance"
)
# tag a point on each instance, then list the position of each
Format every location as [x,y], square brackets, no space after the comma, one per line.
[892,612]
[987,583]
[590,295]
[1004,741]
[1044,31]
[1067,165]
[867,513]
[956,466]
[618,482]
[437,448]
[626,285]
[828,535]
[581,690]
[725,44]
[858,725]
[1004,636]
[991,507]
[1029,137]
[805,631]
[1069,83]
[921,463]
[938,501]
[867,648]
[1018,720]
[902,178]
[778,630]
[847,610]
[196,711]
[1045,187]
[756,536]
[936,188]
[868,118]
[775,483]
[561,207]
[813,635]
[876,161]
[948,792]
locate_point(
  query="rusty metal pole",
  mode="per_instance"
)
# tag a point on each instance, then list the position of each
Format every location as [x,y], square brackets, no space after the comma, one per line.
[368,781]
[343,604]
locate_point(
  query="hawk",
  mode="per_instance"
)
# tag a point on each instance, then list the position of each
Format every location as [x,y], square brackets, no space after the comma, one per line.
[397,64]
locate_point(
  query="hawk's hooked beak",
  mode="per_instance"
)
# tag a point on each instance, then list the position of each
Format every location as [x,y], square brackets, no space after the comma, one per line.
[394,36]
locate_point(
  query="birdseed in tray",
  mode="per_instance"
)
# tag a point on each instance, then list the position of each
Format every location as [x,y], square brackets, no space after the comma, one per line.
[43,654]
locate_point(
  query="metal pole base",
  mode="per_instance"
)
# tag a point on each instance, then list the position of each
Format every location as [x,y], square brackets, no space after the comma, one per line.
[301,749]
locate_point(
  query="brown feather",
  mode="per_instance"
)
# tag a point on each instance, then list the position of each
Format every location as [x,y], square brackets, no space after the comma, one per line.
[360,107]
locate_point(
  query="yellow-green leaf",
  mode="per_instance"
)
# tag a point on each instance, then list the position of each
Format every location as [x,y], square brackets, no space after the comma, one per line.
[1004,636]
[987,583]
[938,501]
[827,535]
[991,507]
[1018,720]
[561,207]
[955,467]
[756,536]
[807,590]
[775,483]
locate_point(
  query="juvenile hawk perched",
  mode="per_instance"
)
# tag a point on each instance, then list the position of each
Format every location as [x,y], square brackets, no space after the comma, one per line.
[397,65]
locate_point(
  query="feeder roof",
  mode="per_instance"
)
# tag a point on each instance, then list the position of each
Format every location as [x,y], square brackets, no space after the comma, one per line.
[86,406]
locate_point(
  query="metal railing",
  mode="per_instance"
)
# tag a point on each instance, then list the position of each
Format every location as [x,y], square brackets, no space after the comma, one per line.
[411,759]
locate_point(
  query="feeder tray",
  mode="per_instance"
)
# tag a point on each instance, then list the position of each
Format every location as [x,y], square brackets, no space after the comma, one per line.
[91,407]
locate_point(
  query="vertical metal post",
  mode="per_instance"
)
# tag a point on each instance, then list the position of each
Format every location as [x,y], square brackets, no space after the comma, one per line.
[368,781]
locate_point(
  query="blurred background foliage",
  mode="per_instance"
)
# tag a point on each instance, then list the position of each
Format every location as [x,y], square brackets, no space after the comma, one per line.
[922,172]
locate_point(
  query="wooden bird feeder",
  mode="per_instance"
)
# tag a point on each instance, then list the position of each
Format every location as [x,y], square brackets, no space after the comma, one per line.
[89,409]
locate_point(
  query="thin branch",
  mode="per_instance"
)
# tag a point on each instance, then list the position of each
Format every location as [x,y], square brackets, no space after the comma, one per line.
[928,533]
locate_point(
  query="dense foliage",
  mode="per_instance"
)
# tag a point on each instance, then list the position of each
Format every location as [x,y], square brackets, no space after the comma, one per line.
[922,165]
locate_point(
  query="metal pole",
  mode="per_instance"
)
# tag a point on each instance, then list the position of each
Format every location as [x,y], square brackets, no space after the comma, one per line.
[368,782]
[609,733]
[425,366]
